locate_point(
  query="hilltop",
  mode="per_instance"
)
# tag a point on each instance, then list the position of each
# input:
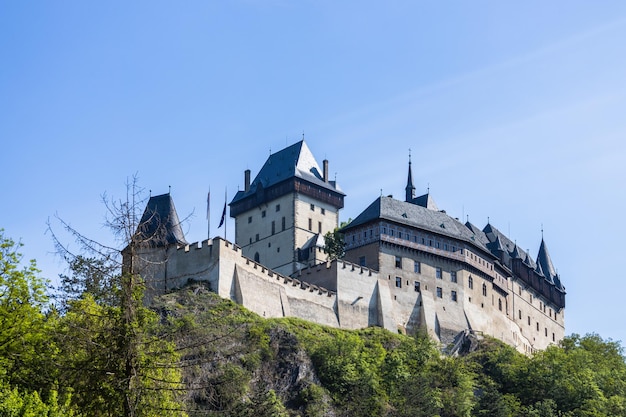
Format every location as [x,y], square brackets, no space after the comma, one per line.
[238,363]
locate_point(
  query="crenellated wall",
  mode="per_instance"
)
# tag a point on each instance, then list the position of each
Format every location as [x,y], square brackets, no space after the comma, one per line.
[346,295]
[234,276]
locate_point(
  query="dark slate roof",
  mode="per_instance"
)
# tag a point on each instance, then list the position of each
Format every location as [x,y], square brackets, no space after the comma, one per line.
[293,161]
[425,201]
[507,244]
[515,253]
[497,245]
[544,260]
[478,233]
[159,225]
[539,271]
[388,208]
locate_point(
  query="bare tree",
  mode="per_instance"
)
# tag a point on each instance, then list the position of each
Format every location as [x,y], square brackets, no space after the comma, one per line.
[98,269]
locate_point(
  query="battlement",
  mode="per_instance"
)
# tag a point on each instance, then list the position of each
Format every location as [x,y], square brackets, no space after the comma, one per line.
[313,269]
[288,280]
[222,246]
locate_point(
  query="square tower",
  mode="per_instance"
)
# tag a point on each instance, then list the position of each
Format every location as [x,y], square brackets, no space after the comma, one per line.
[282,216]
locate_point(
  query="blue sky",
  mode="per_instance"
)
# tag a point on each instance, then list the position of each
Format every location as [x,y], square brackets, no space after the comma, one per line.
[514,111]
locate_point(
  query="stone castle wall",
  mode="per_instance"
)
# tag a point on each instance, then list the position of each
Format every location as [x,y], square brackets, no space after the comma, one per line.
[345,295]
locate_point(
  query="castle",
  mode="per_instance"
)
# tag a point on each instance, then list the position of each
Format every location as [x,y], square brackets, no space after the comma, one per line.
[407,264]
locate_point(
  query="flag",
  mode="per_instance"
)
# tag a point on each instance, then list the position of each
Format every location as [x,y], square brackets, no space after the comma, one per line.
[223,216]
[208,206]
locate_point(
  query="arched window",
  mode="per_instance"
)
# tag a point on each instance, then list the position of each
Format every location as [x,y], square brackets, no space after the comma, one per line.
[484,290]
[257,257]
[500,304]
[470,282]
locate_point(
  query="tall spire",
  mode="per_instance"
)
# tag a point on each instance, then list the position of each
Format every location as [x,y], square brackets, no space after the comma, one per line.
[410,189]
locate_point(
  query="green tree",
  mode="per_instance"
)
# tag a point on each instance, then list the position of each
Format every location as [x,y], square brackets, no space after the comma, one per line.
[334,244]
[23,324]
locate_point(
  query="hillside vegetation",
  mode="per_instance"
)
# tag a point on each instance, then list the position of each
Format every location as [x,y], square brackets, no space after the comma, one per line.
[195,354]
[254,366]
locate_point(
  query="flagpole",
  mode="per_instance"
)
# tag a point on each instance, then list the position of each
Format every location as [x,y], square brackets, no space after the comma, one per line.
[208,214]
[225,200]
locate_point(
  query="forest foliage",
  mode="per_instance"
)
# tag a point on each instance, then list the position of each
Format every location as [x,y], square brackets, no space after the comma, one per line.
[198,354]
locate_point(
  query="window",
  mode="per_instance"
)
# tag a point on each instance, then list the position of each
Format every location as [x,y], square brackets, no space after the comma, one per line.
[417,267]
[470,282]
[311,224]
[257,237]
[319,227]
[537,326]
[439,292]
[257,258]
[484,290]
[277,207]
[312,207]
[445,246]
[283,223]
[546,333]
[323,210]
[416,286]
[263,213]
[553,337]
[249,219]
[520,314]
[500,304]
[438,272]
[399,235]
[273,227]
[399,262]
[453,276]
[453,296]
[398,282]
[362,260]
[277,249]
[529,320]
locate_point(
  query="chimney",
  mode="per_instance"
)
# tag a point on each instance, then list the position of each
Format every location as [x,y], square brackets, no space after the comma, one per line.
[325,169]
[247,180]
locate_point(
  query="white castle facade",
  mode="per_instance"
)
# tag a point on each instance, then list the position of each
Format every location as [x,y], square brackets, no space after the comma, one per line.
[407,265]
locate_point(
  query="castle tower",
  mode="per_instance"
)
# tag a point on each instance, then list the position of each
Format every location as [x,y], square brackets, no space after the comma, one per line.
[158,233]
[281,216]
